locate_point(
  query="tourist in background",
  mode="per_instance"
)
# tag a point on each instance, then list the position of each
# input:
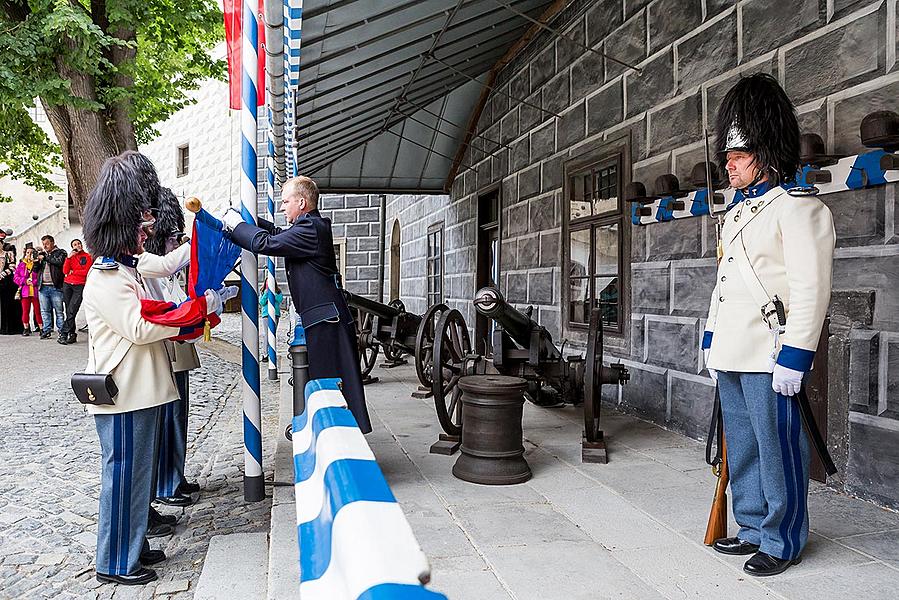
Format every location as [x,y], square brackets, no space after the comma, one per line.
[74,269]
[27,277]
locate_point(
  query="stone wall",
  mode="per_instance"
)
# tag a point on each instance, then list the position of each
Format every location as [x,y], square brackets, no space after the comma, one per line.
[837,61]
[356,222]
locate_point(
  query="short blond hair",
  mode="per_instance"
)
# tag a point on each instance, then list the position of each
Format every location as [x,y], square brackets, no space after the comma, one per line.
[305,187]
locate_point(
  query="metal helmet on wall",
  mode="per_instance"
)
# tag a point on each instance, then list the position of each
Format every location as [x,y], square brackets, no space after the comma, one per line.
[757,116]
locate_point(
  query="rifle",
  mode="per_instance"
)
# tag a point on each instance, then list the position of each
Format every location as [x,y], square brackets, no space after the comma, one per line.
[717,525]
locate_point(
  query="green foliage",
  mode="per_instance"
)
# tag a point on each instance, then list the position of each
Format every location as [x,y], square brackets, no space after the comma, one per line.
[61,53]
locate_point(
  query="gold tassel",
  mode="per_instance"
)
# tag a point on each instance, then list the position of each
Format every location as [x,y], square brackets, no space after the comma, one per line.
[207,331]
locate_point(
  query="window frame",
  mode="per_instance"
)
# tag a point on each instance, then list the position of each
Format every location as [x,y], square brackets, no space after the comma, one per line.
[615,152]
[433,230]
[340,255]
[180,171]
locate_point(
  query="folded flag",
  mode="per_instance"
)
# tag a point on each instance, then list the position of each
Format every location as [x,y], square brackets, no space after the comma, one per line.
[189,316]
[212,255]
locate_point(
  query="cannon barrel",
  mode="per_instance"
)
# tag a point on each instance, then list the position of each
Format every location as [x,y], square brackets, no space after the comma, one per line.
[370,306]
[519,326]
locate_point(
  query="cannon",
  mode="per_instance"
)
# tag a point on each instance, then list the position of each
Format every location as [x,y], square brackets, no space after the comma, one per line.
[523,348]
[390,329]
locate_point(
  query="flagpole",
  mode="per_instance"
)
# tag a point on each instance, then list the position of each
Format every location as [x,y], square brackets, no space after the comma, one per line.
[272,319]
[253,488]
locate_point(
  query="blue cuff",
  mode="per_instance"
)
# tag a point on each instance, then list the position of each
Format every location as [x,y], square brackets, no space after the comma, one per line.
[707,340]
[796,358]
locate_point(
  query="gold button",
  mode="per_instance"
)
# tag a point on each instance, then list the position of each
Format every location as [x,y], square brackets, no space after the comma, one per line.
[720,298]
[754,208]
[724,278]
[737,218]
[730,259]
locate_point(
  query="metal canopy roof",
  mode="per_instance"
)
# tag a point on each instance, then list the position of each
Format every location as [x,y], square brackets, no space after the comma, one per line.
[385,90]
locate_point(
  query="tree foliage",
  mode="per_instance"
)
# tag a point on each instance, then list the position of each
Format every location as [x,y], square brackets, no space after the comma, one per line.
[105,72]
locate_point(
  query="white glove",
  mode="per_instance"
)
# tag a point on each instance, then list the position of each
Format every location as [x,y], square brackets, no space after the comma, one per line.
[786,381]
[231,219]
[228,292]
[712,372]
[213,302]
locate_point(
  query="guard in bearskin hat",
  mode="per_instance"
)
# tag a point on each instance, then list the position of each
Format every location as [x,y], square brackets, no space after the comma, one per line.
[771,295]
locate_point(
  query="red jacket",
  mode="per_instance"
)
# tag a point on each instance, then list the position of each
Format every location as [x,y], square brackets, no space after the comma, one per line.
[76,267]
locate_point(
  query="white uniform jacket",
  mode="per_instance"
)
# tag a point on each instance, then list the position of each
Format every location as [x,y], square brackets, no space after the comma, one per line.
[122,343]
[774,244]
[161,284]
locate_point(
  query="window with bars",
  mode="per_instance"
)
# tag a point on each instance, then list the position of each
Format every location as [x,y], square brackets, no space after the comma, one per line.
[595,229]
[435,264]
[182,164]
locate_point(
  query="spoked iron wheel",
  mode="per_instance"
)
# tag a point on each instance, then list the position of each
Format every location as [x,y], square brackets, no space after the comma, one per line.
[424,344]
[593,379]
[451,346]
[368,352]
[392,354]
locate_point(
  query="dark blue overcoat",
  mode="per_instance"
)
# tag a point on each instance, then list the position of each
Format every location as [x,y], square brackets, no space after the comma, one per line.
[308,250]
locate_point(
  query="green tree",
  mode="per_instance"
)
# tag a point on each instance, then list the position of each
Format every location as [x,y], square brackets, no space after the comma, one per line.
[105,71]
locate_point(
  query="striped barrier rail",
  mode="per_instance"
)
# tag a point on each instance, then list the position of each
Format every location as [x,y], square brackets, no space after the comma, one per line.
[865,170]
[355,542]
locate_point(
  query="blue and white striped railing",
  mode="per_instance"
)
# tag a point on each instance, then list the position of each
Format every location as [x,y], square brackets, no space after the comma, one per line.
[851,173]
[355,542]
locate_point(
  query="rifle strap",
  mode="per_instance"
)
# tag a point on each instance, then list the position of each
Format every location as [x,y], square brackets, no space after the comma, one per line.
[716,429]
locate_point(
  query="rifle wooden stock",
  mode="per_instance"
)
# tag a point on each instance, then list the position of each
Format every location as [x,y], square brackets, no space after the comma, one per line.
[717,527]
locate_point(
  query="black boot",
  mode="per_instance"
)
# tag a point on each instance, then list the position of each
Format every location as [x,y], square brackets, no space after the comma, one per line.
[156,518]
[734,545]
[140,577]
[73,337]
[765,565]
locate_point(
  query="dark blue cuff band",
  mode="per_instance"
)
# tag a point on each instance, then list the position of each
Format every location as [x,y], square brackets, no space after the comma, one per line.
[707,340]
[795,358]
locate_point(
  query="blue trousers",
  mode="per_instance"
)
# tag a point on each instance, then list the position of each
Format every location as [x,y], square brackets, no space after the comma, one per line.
[768,460]
[173,440]
[51,301]
[128,453]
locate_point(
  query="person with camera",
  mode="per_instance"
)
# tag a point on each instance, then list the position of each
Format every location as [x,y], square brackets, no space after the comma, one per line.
[75,269]
[131,350]
[28,278]
[50,261]
[10,308]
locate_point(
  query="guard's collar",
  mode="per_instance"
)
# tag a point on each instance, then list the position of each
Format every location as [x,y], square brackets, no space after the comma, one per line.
[754,191]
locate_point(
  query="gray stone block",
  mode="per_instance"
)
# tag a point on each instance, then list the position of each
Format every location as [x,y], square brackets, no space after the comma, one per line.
[676,125]
[500,103]
[520,154]
[368,215]
[649,290]
[691,407]
[645,394]
[509,255]
[529,115]
[605,109]
[814,121]
[470,180]
[627,44]
[529,182]
[555,94]
[509,127]
[528,252]
[587,74]
[549,249]
[851,309]
[878,273]
[509,191]
[849,112]
[339,231]
[568,51]
[638,242]
[764,28]
[355,230]
[543,141]
[858,216]
[500,166]
[357,202]
[647,172]
[637,346]
[356,286]
[654,85]
[693,287]
[836,60]
[864,360]
[520,84]
[549,319]
[352,244]
[710,52]
[631,7]
[540,286]
[516,220]
[331,201]
[602,19]
[367,244]
[370,273]
[571,126]
[541,212]
[675,239]
[517,290]
[355,259]
[670,20]
[672,344]
[485,174]
[543,67]
[713,7]
[551,174]
[874,460]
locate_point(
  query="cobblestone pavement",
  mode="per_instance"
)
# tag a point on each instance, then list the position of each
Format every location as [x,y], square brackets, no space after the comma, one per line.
[49,474]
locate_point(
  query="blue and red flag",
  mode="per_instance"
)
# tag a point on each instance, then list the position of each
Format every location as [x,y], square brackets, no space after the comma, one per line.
[233,10]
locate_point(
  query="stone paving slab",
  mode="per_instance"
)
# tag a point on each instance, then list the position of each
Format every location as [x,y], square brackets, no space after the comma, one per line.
[629,529]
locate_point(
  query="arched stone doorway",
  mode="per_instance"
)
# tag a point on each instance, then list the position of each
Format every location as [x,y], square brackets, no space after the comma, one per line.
[395,261]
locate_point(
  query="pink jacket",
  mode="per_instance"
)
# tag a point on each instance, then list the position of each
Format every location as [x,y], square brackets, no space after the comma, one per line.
[28,281]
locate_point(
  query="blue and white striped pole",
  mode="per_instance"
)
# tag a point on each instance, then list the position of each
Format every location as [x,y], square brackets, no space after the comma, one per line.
[293,20]
[253,489]
[272,320]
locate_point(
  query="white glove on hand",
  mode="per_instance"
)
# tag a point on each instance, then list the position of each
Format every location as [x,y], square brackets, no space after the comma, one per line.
[786,381]
[213,302]
[712,372]
[231,219]
[228,292]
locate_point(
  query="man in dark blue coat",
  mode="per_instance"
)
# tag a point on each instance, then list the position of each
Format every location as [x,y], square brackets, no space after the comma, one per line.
[308,250]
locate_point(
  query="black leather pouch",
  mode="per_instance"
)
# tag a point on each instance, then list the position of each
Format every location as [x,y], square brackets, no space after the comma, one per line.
[94,388]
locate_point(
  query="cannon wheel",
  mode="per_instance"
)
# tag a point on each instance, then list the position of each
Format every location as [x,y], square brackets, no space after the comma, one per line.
[392,354]
[593,379]
[451,346]
[424,343]
[368,352]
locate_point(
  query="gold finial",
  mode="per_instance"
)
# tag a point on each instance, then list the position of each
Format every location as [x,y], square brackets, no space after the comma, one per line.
[193,204]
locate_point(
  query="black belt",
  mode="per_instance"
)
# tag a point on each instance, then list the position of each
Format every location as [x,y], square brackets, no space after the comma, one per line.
[811,426]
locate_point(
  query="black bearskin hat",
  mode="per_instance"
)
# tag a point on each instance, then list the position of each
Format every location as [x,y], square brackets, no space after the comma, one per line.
[115,207]
[757,116]
[169,220]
